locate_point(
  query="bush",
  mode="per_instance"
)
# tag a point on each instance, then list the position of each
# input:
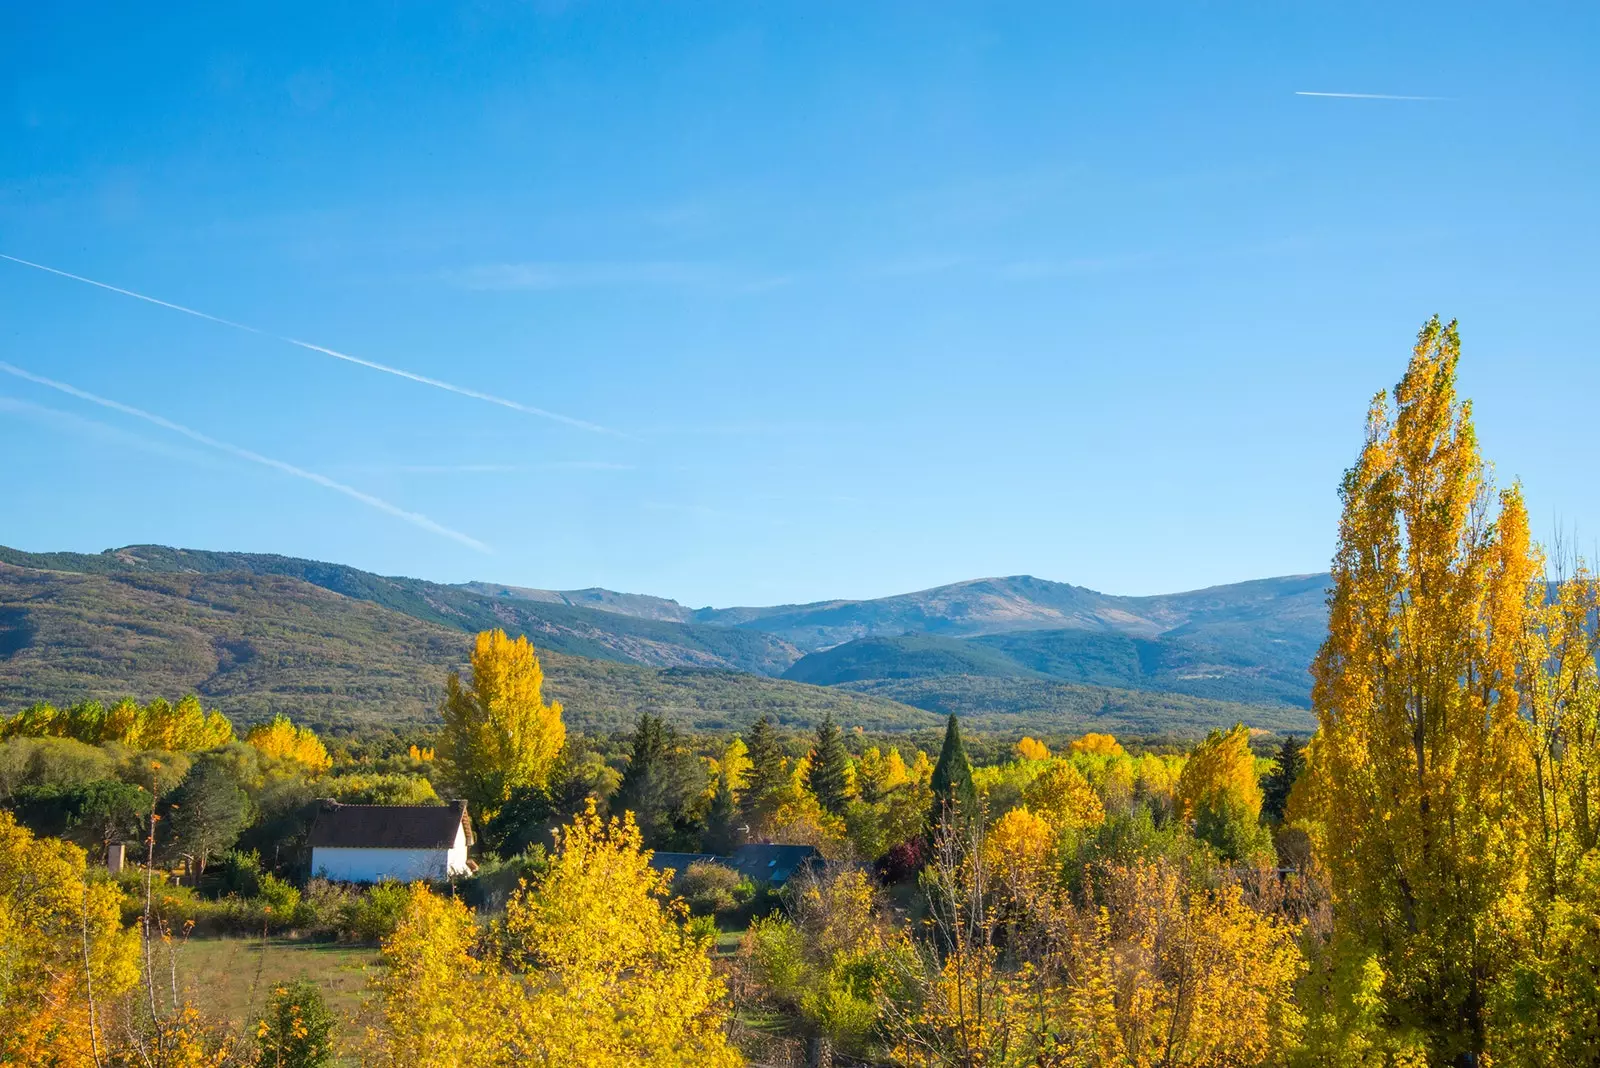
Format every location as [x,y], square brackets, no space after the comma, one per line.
[710,888]
[373,916]
[235,874]
[297,1029]
[488,888]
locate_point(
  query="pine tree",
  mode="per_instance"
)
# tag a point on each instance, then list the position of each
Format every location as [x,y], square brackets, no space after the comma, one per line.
[829,775]
[953,791]
[1280,780]
[767,772]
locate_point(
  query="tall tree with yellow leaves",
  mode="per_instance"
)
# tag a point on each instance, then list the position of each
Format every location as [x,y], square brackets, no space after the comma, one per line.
[499,733]
[1416,777]
[282,739]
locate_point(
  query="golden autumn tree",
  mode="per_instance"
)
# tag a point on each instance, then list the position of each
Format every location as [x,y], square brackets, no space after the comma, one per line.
[1220,794]
[61,941]
[499,733]
[619,977]
[1032,749]
[1415,796]
[1062,797]
[283,740]
[1170,975]
[435,995]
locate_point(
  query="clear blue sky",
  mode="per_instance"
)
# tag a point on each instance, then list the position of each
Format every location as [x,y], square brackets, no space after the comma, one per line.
[866,297]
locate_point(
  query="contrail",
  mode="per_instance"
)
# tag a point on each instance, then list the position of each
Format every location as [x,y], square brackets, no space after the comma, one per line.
[368,499]
[1368,96]
[247,328]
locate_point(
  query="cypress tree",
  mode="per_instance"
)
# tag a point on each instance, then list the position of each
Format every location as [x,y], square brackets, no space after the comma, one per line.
[829,775]
[952,776]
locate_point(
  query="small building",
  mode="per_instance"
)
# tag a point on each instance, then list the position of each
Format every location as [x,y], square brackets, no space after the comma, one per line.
[406,843]
[769,864]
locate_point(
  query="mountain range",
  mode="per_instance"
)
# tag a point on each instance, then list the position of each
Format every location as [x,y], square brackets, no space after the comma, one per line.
[261,633]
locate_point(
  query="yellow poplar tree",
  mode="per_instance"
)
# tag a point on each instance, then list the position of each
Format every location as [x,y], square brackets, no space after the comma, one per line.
[61,938]
[1063,798]
[282,739]
[1220,776]
[619,978]
[1418,767]
[499,733]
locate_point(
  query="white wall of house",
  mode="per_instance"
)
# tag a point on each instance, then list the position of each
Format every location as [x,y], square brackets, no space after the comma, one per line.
[356,865]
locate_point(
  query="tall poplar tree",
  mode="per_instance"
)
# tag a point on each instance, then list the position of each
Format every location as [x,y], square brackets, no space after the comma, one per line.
[1416,773]
[499,733]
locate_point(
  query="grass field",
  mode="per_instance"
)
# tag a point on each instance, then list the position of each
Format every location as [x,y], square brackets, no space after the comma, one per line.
[233,978]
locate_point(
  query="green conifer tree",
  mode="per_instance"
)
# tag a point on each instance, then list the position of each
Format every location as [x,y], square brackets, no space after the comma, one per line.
[953,791]
[767,772]
[829,775]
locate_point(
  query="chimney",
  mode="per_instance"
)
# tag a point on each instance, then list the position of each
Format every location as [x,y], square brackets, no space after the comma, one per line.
[116,853]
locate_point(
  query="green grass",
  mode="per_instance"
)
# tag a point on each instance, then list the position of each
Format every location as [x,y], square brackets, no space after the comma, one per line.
[232,978]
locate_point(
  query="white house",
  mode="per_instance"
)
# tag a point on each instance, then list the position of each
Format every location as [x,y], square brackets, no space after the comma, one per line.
[407,843]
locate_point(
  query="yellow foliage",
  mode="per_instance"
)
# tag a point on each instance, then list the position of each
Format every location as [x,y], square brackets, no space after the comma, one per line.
[283,740]
[1169,979]
[592,965]
[1418,806]
[184,727]
[1031,749]
[51,917]
[1094,744]
[1220,777]
[1019,851]
[499,734]
[436,1003]
[420,756]
[1062,797]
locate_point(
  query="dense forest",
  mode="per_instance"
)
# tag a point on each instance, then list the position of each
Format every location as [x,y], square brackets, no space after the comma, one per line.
[1415,882]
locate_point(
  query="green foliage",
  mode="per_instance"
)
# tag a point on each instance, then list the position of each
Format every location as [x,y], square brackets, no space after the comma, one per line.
[664,786]
[711,889]
[297,1029]
[373,915]
[90,814]
[205,815]
[953,789]
[829,775]
[1275,787]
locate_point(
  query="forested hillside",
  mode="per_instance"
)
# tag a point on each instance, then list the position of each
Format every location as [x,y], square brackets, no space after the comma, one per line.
[258,645]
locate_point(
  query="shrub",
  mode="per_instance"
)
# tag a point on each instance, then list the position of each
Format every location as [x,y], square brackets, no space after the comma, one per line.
[373,916]
[297,1029]
[710,888]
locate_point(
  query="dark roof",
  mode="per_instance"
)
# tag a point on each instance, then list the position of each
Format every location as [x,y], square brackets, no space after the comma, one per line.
[389,826]
[679,862]
[774,863]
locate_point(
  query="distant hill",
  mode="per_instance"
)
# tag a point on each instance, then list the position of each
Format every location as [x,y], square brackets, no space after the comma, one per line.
[1258,672]
[258,645]
[1292,608]
[1001,647]
[557,626]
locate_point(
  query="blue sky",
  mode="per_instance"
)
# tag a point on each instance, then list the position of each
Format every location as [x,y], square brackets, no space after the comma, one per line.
[863,298]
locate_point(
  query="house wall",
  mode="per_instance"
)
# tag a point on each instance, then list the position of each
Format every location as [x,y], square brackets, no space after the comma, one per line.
[352,865]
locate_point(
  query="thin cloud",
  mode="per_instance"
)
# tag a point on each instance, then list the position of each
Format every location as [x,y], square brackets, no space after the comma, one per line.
[1369,96]
[370,364]
[93,428]
[414,518]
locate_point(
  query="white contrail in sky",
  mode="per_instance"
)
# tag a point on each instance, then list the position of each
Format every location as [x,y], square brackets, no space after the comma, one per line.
[1370,96]
[414,518]
[385,368]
